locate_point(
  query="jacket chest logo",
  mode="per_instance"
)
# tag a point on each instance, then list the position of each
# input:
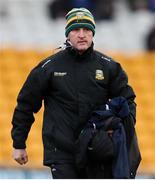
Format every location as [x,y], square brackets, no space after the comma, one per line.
[60,73]
[99,74]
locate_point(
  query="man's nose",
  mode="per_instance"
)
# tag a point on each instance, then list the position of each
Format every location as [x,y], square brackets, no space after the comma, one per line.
[81,33]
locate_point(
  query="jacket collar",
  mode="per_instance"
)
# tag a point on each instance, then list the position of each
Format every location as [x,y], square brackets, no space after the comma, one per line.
[78,56]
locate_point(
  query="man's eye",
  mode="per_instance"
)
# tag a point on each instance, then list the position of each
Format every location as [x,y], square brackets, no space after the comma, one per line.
[76,29]
[86,29]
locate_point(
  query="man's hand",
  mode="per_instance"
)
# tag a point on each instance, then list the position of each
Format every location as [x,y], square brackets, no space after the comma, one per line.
[20,155]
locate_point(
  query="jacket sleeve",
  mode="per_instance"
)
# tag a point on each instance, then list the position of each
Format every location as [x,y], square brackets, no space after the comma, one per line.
[119,87]
[29,101]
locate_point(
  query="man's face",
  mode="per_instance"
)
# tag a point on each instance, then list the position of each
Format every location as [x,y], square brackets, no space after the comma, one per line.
[81,39]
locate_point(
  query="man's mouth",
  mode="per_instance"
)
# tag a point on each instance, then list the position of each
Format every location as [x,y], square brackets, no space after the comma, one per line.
[81,42]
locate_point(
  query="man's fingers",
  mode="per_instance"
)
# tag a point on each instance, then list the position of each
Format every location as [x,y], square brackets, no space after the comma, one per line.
[25,159]
[22,160]
[19,160]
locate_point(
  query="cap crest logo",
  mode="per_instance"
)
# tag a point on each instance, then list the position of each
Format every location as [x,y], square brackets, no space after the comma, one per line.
[79,15]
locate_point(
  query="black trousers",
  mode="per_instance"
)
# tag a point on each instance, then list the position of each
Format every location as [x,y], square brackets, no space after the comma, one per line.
[92,171]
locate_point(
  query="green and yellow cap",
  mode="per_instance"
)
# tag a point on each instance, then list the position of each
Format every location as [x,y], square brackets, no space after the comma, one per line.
[79,18]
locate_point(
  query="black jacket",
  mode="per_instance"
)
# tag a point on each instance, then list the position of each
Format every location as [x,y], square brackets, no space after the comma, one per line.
[72,86]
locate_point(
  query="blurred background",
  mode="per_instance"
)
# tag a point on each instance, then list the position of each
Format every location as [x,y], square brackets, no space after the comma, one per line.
[30,30]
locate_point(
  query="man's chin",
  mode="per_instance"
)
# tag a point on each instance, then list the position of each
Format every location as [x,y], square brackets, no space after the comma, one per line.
[82,48]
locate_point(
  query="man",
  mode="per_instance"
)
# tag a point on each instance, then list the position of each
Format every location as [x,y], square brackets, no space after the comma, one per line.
[72,83]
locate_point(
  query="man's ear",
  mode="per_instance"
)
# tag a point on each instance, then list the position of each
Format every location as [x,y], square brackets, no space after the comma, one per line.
[68,40]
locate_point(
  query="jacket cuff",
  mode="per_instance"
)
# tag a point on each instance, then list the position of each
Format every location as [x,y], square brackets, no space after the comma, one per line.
[19,145]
